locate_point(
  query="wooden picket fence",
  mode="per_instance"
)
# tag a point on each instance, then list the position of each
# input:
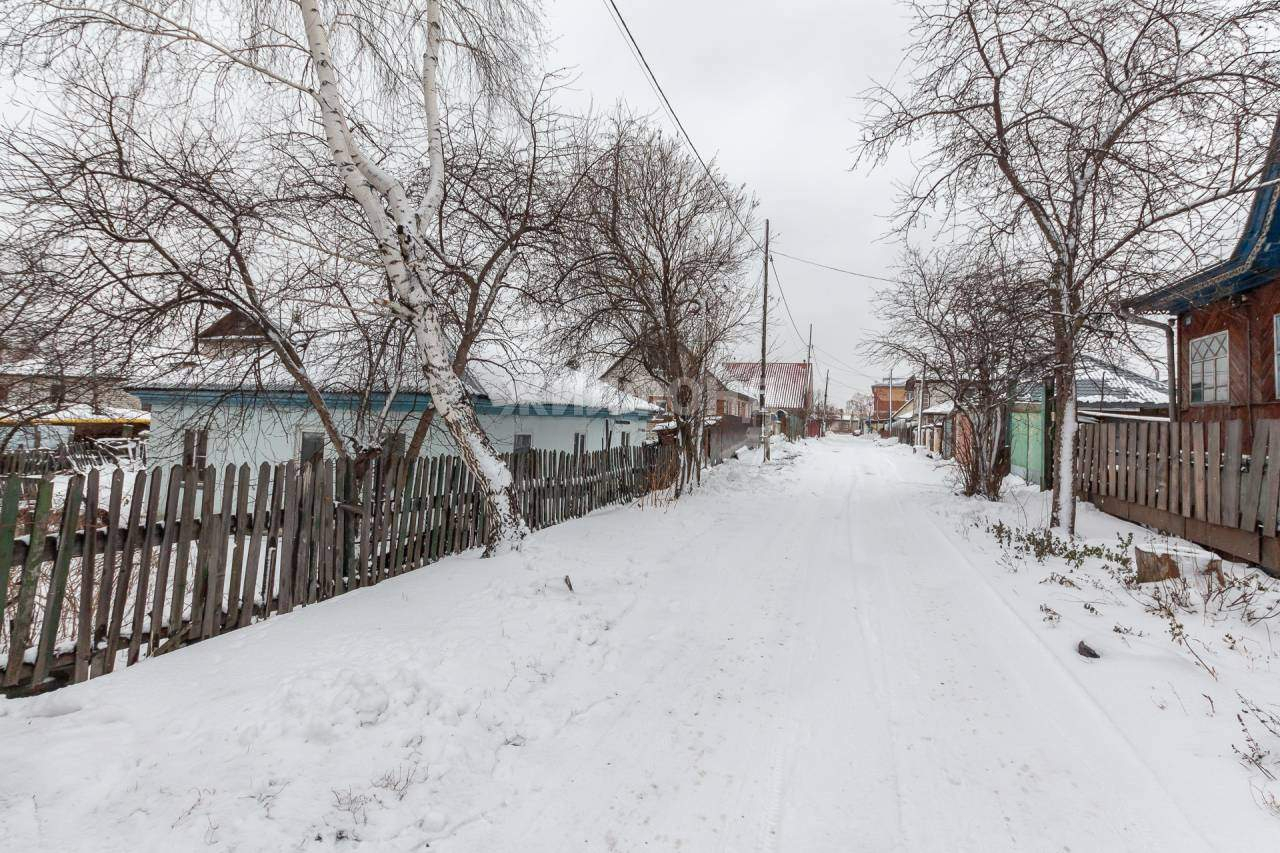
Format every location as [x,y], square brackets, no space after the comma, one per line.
[142,565]
[1191,478]
[37,461]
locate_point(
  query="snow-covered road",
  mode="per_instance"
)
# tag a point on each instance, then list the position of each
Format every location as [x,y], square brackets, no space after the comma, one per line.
[803,658]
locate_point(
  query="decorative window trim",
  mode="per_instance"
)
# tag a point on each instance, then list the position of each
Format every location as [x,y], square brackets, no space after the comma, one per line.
[1220,390]
[1275,354]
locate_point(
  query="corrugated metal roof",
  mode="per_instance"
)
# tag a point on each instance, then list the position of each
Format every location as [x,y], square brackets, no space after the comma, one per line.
[786,383]
[1099,383]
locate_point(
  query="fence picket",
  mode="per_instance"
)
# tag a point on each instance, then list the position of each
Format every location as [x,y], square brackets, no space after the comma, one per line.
[88,561]
[8,532]
[58,580]
[20,632]
[134,537]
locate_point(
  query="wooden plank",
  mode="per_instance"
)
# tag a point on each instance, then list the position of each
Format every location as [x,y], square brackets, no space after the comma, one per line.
[214,611]
[184,539]
[147,539]
[325,531]
[273,541]
[1162,467]
[1122,461]
[1142,464]
[1153,462]
[202,552]
[288,539]
[58,580]
[258,543]
[1199,478]
[1175,468]
[1271,493]
[8,532]
[404,510]
[304,558]
[177,477]
[20,630]
[1213,461]
[235,580]
[88,562]
[1250,498]
[1086,464]
[363,572]
[110,547]
[1188,466]
[1109,459]
[1231,474]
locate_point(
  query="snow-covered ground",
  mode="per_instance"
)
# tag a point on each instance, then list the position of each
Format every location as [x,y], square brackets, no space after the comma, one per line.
[829,653]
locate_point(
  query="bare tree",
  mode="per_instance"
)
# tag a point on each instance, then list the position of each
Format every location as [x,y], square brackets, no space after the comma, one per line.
[971,324]
[369,72]
[1085,137]
[654,274]
[152,230]
[509,194]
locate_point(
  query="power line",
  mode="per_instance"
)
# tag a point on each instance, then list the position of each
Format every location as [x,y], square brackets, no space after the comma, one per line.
[839,269]
[638,53]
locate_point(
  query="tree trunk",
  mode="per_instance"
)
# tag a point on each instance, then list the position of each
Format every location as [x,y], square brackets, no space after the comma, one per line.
[1064,437]
[449,399]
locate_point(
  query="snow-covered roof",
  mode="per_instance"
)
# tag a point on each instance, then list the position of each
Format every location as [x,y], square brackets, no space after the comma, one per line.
[81,413]
[510,380]
[1101,383]
[946,407]
[527,384]
[739,386]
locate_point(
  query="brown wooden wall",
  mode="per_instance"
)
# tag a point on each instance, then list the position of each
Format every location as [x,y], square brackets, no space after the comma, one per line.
[1247,318]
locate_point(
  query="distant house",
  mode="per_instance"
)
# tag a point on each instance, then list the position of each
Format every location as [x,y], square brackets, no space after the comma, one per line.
[725,395]
[1104,389]
[1228,320]
[221,407]
[788,389]
[729,416]
[888,396]
[47,402]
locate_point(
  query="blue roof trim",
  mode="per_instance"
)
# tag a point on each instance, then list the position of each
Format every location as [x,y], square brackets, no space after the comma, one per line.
[404,402]
[1255,261]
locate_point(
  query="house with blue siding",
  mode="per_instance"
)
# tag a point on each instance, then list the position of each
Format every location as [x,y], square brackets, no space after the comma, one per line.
[225,408]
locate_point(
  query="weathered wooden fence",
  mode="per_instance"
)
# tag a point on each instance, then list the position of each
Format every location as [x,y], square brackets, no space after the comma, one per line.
[1192,479]
[38,460]
[141,565]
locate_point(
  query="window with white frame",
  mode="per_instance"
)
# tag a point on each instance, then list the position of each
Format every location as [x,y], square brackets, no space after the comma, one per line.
[1209,369]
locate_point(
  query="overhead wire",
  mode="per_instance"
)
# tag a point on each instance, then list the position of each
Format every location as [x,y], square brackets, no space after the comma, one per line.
[620,22]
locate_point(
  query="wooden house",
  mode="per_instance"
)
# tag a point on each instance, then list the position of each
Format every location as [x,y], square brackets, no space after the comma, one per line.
[1227,320]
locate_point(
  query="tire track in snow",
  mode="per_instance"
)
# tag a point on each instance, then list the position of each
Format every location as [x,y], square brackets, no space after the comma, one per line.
[1083,752]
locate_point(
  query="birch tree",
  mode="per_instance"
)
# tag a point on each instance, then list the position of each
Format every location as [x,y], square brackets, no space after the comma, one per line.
[1092,137]
[369,73]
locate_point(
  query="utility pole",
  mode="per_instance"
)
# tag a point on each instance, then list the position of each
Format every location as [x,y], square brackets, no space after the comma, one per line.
[826,388]
[891,397]
[808,361]
[765,419]
[920,398]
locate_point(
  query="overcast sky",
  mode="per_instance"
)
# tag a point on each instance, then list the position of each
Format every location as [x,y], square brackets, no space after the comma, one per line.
[770,90]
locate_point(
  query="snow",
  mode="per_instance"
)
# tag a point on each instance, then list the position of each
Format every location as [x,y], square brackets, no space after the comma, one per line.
[525,382]
[827,652]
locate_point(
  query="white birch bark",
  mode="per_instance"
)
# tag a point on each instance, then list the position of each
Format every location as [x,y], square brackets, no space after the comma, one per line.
[400,229]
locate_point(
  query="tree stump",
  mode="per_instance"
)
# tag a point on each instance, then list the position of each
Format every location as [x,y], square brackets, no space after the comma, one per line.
[1159,563]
